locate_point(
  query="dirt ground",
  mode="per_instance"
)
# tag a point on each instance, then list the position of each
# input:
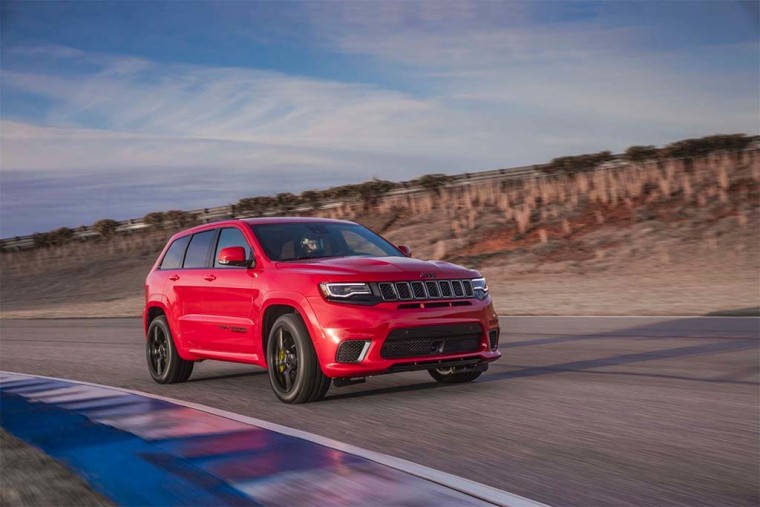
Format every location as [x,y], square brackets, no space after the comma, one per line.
[30,477]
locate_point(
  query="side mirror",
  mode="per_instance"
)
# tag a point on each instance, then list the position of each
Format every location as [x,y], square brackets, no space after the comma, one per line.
[232,256]
[405,250]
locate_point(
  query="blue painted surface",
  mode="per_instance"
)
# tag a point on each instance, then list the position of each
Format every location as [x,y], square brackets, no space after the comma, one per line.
[142,451]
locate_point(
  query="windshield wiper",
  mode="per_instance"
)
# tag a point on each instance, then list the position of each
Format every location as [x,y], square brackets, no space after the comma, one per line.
[311,258]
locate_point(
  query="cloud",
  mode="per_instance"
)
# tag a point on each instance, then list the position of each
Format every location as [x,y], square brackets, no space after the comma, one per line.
[493,84]
[517,56]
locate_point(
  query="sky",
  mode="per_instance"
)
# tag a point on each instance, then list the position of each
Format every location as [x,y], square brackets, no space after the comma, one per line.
[117,109]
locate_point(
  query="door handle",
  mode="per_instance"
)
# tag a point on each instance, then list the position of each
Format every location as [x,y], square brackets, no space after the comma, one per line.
[209,278]
[174,278]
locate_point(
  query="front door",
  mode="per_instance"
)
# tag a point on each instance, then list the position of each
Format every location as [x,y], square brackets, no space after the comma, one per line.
[228,297]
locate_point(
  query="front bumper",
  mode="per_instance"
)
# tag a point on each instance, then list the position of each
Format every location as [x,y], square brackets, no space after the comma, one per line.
[335,323]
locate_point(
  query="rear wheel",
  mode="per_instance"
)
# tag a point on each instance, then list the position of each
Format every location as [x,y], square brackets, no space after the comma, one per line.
[294,371]
[453,375]
[164,363]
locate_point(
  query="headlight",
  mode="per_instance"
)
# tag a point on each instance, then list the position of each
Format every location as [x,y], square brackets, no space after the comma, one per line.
[480,288]
[344,290]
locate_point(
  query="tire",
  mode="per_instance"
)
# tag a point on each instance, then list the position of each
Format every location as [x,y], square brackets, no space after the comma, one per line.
[294,371]
[453,375]
[164,363]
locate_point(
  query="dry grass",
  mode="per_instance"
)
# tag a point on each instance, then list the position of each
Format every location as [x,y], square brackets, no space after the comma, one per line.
[42,260]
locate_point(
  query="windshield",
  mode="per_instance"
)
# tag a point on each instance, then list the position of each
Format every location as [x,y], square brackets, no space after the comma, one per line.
[310,240]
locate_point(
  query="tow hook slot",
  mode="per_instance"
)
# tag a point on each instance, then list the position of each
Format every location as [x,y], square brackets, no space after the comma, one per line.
[348,381]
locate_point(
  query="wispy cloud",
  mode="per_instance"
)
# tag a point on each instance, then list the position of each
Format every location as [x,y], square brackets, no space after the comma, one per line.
[490,84]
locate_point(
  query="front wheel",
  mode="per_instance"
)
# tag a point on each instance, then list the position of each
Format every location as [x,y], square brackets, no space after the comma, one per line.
[454,375]
[294,371]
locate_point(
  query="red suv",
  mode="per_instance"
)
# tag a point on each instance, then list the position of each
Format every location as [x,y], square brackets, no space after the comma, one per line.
[313,301]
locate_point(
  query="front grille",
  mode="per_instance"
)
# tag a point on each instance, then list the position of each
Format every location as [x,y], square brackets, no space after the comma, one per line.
[387,291]
[432,289]
[350,350]
[432,341]
[404,292]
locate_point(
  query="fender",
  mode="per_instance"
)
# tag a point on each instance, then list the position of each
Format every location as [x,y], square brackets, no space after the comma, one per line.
[304,309]
[160,301]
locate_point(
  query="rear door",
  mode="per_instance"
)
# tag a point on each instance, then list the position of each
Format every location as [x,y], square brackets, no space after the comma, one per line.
[167,275]
[228,298]
[188,287]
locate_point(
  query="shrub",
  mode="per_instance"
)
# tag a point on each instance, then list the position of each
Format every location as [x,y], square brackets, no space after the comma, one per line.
[178,218]
[58,237]
[577,163]
[105,227]
[40,239]
[255,205]
[639,153]
[689,148]
[433,182]
[286,201]
[154,219]
[312,198]
[370,191]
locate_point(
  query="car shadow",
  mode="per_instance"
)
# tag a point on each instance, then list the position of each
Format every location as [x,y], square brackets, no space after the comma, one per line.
[424,386]
[226,376]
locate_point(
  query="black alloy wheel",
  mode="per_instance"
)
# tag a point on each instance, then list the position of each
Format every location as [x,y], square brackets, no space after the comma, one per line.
[294,371]
[164,363]
[286,360]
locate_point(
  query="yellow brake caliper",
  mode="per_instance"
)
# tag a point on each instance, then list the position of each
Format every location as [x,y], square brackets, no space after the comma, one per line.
[281,359]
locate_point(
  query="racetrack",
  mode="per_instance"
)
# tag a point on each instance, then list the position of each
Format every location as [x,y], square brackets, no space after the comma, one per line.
[579,411]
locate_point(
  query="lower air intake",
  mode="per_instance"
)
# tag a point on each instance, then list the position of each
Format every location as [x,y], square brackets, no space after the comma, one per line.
[432,341]
[493,339]
[350,351]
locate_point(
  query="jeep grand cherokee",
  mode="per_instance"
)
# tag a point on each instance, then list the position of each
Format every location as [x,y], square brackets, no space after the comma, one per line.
[313,301]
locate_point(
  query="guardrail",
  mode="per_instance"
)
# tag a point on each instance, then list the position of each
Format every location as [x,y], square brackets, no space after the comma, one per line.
[206,215]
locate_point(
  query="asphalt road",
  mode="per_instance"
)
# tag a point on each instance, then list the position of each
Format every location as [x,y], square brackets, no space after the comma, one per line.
[579,411]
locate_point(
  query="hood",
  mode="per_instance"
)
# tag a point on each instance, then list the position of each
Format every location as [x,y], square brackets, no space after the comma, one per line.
[375,269]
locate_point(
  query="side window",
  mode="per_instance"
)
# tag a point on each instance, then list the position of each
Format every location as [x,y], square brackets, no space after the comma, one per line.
[359,245]
[173,257]
[231,236]
[197,252]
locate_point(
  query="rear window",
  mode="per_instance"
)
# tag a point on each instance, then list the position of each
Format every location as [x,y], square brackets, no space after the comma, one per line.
[173,257]
[198,250]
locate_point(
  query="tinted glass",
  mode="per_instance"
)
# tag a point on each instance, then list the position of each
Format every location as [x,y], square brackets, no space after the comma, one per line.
[231,237]
[197,251]
[287,242]
[361,245]
[173,257]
